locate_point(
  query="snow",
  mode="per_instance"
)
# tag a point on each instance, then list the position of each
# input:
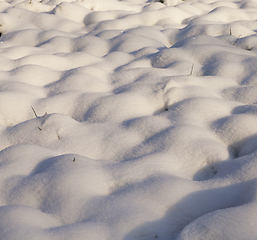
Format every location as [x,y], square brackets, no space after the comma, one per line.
[128,119]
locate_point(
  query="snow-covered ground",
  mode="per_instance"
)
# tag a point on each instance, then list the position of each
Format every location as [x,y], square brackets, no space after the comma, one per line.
[130,119]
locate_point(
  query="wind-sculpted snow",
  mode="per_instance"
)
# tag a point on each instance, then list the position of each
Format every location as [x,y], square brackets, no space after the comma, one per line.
[131,119]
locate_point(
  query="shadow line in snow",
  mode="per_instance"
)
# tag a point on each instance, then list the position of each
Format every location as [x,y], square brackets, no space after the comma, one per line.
[190,208]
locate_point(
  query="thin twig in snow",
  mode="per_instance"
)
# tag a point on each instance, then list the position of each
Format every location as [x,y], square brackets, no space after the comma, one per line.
[192,69]
[237,39]
[34,111]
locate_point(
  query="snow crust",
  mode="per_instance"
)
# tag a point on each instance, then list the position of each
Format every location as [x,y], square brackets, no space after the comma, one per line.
[128,119]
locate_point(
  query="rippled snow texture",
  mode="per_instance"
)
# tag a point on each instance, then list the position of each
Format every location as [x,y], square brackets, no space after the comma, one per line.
[131,119]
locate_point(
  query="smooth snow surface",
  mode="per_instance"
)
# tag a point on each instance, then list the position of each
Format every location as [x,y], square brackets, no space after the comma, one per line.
[128,120]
